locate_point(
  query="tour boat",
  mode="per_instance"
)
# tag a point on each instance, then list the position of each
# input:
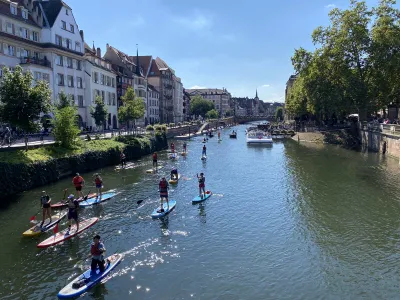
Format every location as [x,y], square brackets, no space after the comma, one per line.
[258,137]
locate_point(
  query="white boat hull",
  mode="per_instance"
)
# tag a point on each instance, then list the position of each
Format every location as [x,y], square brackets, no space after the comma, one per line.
[259,141]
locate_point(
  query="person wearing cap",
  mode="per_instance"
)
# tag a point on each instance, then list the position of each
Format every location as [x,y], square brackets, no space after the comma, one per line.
[174,173]
[99,185]
[45,203]
[78,182]
[97,250]
[73,206]
[163,188]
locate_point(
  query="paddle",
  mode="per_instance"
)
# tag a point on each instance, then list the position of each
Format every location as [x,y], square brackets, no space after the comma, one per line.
[32,219]
[85,198]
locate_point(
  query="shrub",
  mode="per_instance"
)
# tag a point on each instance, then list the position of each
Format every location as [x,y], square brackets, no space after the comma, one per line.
[164,128]
[149,128]
[158,127]
[171,125]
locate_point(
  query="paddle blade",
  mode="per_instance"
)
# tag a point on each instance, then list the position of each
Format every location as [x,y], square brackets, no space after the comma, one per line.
[140,201]
[32,218]
[55,230]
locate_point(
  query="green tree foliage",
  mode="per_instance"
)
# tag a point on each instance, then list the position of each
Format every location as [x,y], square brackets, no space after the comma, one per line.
[65,123]
[21,102]
[199,106]
[64,100]
[279,114]
[229,113]
[355,65]
[212,114]
[132,108]
[99,113]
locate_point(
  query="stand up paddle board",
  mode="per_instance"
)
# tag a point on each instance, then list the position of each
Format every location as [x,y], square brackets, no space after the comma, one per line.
[130,165]
[88,279]
[154,170]
[63,204]
[104,197]
[172,181]
[204,157]
[157,214]
[65,235]
[173,156]
[183,153]
[199,199]
[47,225]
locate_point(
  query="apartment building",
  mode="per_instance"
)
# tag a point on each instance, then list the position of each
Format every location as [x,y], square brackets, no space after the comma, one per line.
[100,81]
[153,98]
[220,97]
[178,100]
[186,105]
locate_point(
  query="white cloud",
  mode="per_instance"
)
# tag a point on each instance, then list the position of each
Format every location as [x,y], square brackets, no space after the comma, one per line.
[196,87]
[197,22]
[330,6]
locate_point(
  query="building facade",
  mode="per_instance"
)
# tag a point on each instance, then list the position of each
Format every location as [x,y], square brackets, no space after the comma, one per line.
[220,97]
[179,114]
[153,98]
[186,105]
[100,81]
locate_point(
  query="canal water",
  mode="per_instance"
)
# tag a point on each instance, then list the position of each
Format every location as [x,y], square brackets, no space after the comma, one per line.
[287,221]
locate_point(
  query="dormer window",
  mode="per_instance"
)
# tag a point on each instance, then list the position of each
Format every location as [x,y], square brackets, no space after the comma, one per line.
[25,14]
[67,11]
[13,8]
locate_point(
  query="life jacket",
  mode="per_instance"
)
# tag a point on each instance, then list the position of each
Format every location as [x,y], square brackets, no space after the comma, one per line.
[44,199]
[163,185]
[95,251]
[72,205]
[202,180]
[98,181]
[122,156]
[154,156]
[78,181]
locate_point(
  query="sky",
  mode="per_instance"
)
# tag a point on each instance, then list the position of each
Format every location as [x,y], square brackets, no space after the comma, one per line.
[239,45]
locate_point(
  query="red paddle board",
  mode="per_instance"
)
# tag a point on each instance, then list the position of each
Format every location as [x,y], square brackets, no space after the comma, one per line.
[64,235]
[62,205]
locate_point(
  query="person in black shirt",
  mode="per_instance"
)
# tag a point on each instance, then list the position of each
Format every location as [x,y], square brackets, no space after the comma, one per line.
[45,204]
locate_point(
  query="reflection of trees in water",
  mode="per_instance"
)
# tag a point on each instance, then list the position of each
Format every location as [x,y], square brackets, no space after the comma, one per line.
[343,199]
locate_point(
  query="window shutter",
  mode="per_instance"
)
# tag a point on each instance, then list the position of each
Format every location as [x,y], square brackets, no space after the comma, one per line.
[6,49]
[18,52]
[64,42]
[83,83]
[74,63]
[13,28]
[30,35]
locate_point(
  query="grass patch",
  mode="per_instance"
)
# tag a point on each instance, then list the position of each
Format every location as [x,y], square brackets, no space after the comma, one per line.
[49,152]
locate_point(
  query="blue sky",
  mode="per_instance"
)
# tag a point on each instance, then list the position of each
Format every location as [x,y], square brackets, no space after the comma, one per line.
[239,45]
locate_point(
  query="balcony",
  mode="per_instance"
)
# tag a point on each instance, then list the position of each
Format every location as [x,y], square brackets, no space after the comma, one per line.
[35,61]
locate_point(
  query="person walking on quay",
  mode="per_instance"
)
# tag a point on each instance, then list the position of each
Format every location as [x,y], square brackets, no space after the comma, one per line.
[46,208]
[202,184]
[163,188]
[78,182]
[97,250]
[99,186]
[123,159]
[204,152]
[73,206]
[155,165]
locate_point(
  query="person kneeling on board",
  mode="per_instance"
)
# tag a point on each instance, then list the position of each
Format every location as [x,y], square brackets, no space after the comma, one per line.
[202,186]
[174,174]
[97,250]
[72,205]
[163,188]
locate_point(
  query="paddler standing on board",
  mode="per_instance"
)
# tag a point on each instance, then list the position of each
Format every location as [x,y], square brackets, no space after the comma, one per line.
[78,182]
[155,165]
[204,153]
[123,159]
[163,188]
[99,186]
[172,147]
[219,134]
[184,147]
[73,206]
[97,250]
[45,203]
[202,184]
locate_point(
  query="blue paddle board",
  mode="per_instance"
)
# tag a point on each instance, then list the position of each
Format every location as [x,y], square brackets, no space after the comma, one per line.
[93,201]
[198,199]
[156,214]
[88,279]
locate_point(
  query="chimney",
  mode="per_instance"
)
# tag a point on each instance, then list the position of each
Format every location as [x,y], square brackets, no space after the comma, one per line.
[98,52]
[82,36]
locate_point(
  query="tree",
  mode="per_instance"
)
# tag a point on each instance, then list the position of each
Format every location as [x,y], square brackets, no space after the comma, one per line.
[229,113]
[65,123]
[212,114]
[132,108]
[99,113]
[21,102]
[199,106]
[279,114]
[64,100]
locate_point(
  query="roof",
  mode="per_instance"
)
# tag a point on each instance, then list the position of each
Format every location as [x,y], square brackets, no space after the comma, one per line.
[51,9]
[154,71]
[5,10]
[145,62]
[206,91]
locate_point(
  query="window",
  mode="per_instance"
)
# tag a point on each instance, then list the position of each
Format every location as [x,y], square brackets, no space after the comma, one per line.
[63,25]
[24,53]
[46,77]
[69,43]
[70,80]
[13,9]
[60,79]
[78,46]
[78,65]
[71,28]
[24,14]
[35,36]
[101,79]
[79,82]
[108,98]
[11,50]
[59,60]
[58,40]
[69,62]
[108,80]
[72,97]
[9,27]
[37,76]
[1,71]
[96,77]
[80,100]
[103,96]
[23,32]
[67,11]
[113,98]
[113,82]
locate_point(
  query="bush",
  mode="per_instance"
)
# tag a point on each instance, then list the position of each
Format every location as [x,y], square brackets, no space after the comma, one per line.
[149,128]
[164,128]
[158,127]
[171,125]
[65,126]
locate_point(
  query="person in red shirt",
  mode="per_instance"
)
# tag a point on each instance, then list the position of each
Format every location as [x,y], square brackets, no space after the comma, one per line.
[155,160]
[78,182]
[172,147]
[99,186]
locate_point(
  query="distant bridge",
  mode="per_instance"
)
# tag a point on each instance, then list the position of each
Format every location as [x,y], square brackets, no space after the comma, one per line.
[247,119]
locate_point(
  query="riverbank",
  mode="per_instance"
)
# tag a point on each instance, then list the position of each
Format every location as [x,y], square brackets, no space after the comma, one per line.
[23,170]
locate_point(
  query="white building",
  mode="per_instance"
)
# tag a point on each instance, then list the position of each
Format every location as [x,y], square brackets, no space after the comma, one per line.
[220,97]
[100,81]
[178,100]
[153,98]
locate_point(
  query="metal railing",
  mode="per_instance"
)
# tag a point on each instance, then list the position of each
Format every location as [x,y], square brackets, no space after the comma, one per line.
[36,61]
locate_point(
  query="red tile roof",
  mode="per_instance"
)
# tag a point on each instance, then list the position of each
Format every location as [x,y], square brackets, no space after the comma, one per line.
[5,10]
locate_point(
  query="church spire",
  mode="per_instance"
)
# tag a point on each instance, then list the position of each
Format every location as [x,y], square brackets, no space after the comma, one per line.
[256,94]
[93,48]
[137,61]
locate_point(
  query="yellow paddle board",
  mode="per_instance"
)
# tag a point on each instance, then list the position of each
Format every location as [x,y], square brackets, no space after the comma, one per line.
[36,230]
[171,181]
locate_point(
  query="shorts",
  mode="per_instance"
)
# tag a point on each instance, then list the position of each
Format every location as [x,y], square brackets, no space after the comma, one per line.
[78,188]
[123,160]
[73,215]
[99,186]
[154,160]
[163,194]
[201,185]
[46,205]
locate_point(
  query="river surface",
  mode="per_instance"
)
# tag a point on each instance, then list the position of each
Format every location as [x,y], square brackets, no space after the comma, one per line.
[288,221]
